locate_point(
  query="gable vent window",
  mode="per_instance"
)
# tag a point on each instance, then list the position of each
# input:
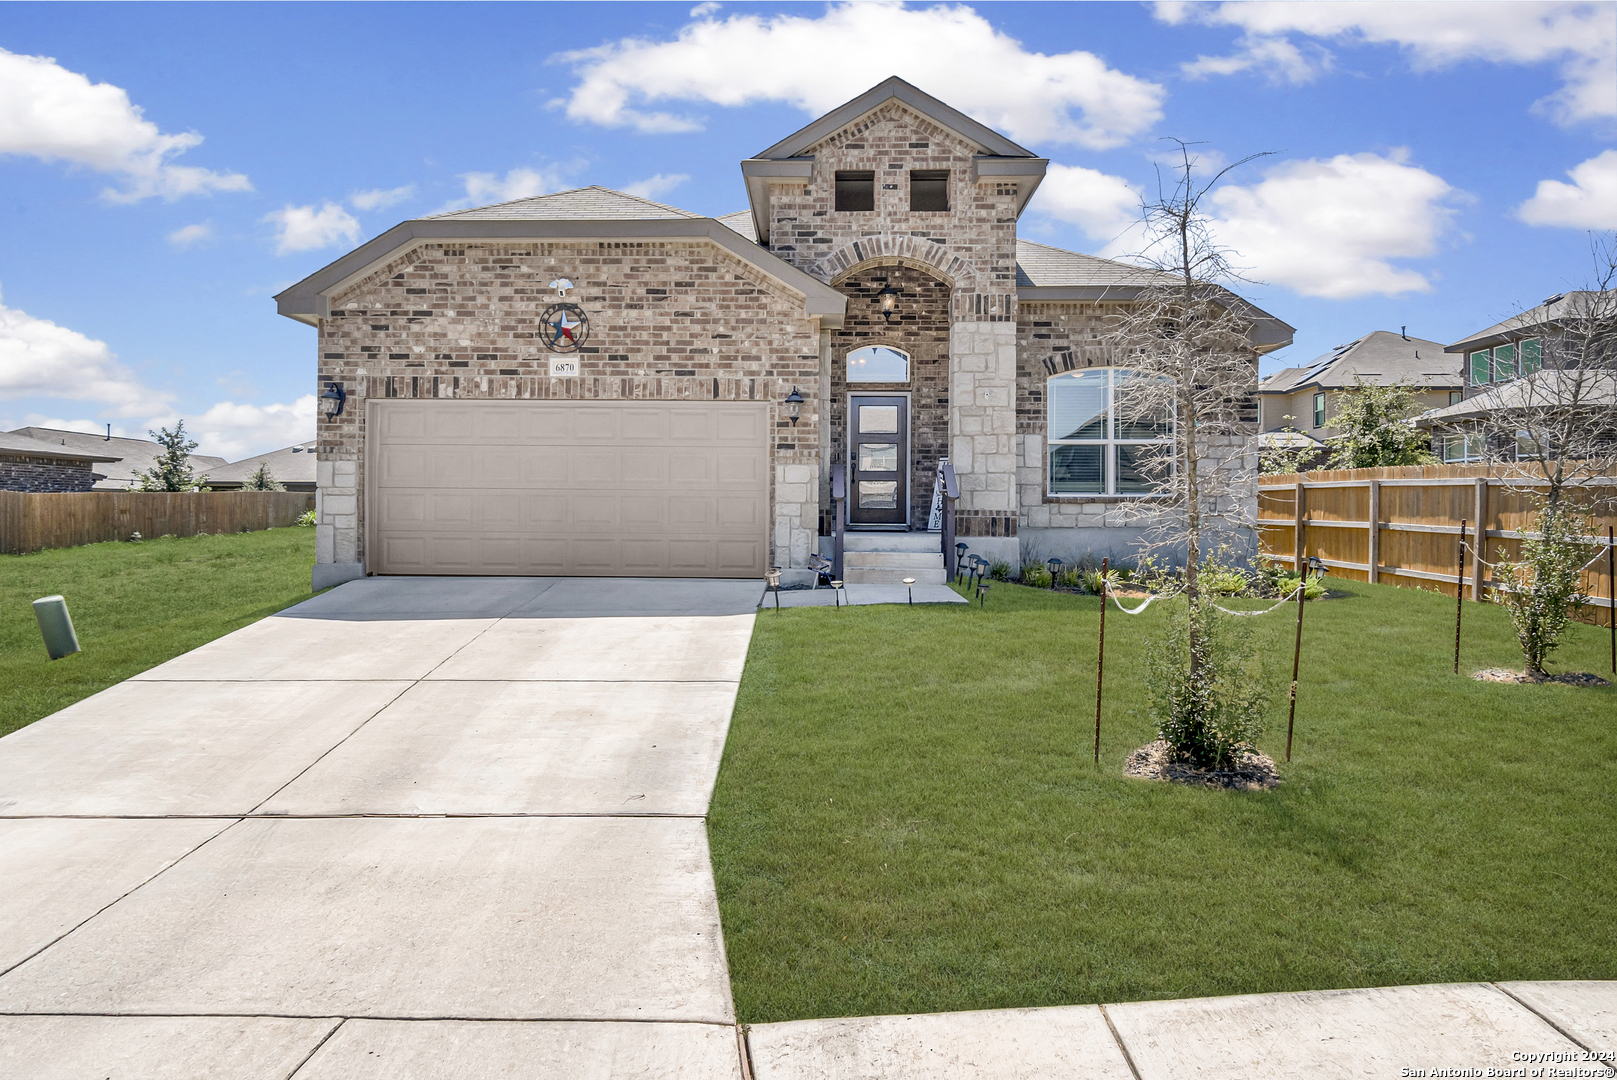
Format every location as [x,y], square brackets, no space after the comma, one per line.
[929,189]
[856,190]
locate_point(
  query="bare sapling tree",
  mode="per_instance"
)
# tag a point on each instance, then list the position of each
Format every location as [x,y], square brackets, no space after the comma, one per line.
[1551,434]
[1186,341]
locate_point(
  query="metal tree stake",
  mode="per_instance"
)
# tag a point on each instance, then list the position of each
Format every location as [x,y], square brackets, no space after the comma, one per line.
[1611,595]
[1100,658]
[1459,597]
[1296,660]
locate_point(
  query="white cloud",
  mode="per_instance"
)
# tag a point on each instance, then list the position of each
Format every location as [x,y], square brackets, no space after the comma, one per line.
[1331,228]
[701,11]
[53,114]
[1103,206]
[234,431]
[817,63]
[1276,58]
[654,187]
[487,189]
[380,198]
[40,358]
[1589,202]
[1580,37]
[303,228]
[191,234]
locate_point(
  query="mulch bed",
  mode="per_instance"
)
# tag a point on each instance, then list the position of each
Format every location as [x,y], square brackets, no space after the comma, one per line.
[1251,770]
[1569,678]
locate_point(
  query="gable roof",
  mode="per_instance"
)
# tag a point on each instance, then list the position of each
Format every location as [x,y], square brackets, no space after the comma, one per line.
[991,141]
[1541,390]
[594,203]
[591,214]
[1560,306]
[1040,266]
[289,465]
[134,456]
[741,222]
[999,157]
[1380,358]
[14,443]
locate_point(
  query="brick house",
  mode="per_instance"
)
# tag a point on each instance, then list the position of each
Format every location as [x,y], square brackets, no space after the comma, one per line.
[28,464]
[592,383]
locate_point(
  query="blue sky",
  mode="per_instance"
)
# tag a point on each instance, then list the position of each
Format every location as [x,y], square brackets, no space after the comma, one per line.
[164,169]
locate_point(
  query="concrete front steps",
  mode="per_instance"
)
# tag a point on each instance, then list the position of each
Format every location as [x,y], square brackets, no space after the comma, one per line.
[887,558]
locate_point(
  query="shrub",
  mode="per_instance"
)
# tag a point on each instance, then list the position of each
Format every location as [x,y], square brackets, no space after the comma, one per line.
[1000,570]
[306,519]
[1208,699]
[1036,576]
[1286,584]
[1070,579]
[1541,590]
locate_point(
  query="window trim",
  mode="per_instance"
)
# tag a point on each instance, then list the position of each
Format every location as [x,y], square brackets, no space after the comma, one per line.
[1467,442]
[1108,444]
[1319,408]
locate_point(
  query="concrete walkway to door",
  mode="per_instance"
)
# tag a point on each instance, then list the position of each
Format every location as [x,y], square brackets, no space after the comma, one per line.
[411,827]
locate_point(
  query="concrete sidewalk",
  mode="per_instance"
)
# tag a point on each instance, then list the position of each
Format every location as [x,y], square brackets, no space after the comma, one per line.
[412,827]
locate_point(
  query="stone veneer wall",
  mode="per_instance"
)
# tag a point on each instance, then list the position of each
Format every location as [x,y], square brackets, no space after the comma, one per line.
[677,320]
[44,474]
[921,328]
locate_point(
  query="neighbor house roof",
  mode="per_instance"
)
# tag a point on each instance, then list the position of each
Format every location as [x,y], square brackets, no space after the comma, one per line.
[593,213]
[1542,389]
[1560,306]
[20,443]
[1289,440]
[134,457]
[1381,358]
[594,203]
[1000,158]
[289,465]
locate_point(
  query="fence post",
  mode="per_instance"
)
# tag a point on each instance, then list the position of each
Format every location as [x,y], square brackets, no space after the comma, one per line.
[1480,543]
[1298,543]
[1375,531]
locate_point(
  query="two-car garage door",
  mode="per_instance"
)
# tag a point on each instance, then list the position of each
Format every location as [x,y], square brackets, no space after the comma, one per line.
[636,489]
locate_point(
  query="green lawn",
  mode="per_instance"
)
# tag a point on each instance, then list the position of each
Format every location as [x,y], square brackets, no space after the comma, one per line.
[135,606]
[907,818]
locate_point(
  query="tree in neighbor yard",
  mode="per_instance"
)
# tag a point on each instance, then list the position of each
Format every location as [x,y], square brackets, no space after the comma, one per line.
[262,480]
[1187,339]
[172,470]
[1553,436]
[1373,429]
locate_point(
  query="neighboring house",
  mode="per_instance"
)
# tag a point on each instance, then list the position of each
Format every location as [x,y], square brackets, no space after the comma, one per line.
[133,458]
[28,464]
[1503,371]
[1306,399]
[292,466]
[592,383]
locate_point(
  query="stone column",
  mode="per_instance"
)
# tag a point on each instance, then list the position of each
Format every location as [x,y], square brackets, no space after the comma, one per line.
[982,428]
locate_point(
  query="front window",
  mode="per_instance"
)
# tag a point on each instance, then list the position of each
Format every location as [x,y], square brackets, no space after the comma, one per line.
[878,363]
[1319,410]
[929,189]
[1528,447]
[856,190]
[1481,367]
[1106,432]
[1456,396]
[1532,355]
[1461,448]
[1504,363]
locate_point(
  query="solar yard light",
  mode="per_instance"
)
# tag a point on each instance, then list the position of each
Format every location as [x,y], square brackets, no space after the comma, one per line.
[1054,566]
[56,626]
[772,580]
[909,582]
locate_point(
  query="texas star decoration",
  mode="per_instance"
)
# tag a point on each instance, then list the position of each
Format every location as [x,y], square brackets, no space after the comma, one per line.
[565,325]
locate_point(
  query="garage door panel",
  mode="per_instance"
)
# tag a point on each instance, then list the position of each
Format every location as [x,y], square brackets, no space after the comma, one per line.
[557,487]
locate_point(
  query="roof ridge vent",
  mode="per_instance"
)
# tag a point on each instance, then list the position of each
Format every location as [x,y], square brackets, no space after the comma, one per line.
[1553,299]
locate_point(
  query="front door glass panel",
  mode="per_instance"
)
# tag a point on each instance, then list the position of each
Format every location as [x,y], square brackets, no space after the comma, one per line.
[878,451]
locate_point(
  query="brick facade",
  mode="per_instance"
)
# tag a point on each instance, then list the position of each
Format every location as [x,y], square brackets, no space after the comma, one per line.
[668,321]
[22,473]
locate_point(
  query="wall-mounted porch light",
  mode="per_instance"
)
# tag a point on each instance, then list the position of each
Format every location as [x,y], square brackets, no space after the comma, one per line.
[334,397]
[794,406]
[889,301]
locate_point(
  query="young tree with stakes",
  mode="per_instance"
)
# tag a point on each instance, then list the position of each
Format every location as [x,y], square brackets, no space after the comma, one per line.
[1187,339]
[1552,434]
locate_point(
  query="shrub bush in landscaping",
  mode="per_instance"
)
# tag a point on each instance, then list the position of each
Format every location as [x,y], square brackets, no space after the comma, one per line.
[1205,687]
[1546,585]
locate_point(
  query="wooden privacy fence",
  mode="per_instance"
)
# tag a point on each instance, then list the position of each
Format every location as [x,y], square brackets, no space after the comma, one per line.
[1401,526]
[31,521]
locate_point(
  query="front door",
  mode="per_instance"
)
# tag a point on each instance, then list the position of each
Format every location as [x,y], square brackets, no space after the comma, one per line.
[879,449]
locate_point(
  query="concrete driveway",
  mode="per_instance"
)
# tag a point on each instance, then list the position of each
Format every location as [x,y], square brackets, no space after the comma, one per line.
[411,827]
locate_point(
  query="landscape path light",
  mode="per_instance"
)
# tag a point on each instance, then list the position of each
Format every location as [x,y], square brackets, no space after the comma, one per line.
[909,583]
[1054,566]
